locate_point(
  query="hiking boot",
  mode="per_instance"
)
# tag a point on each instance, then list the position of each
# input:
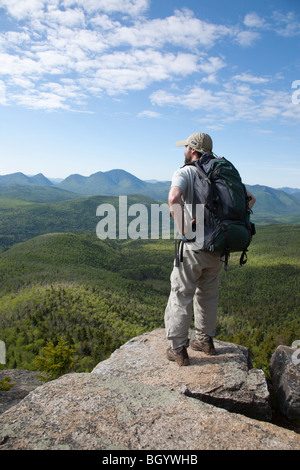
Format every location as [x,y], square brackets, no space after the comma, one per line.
[180,357]
[205,345]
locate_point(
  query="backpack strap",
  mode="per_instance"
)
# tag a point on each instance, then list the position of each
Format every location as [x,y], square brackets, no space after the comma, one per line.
[179,251]
[202,174]
[200,170]
[244,257]
[226,252]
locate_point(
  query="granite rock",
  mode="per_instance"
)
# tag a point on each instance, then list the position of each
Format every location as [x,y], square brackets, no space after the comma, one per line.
[138,400]
[285,373]
[226,380]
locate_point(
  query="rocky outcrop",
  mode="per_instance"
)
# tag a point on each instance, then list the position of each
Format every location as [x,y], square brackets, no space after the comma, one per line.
[285,373]
[226,380]
[138,400]
[25,381]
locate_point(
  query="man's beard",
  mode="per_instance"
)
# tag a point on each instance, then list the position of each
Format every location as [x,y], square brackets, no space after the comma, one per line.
[187,159]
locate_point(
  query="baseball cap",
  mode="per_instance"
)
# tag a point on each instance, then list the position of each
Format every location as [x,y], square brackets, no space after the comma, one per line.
[197,141]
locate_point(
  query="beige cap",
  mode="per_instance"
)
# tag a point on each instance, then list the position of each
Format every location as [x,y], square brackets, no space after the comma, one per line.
[197,141]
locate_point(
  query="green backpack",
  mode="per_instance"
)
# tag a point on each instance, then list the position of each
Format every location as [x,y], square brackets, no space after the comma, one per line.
[227,226]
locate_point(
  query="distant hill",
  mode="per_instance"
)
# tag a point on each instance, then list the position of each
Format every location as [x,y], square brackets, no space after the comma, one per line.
[22,220]
[98,294]
[35,193]
[114,183]
[273,205]
[20,178]
[110,183]
[291,190]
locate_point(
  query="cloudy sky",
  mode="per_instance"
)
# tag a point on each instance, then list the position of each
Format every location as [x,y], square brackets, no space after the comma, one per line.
[93,85]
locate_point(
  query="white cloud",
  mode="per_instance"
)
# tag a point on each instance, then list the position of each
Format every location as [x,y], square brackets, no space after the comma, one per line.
[42,100]
[130,7]
[246,77]
[2,93]
[196,98]
[252,20]
[172,30]
[63,52]
[211,65]
[120,72]
[70,18]
[13,65]
[60,43]
[232,103]
[20,9]
[264,131]
[247,38]
[286,24]
[283,24]
[150,114]
[12,39]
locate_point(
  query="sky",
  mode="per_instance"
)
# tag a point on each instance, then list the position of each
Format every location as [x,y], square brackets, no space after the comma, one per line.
[95,85]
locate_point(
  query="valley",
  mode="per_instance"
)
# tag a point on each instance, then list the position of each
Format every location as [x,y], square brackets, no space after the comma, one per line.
[58,280]
[97,294]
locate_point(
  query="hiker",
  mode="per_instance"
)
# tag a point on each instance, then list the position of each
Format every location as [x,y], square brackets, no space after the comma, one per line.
[195,279]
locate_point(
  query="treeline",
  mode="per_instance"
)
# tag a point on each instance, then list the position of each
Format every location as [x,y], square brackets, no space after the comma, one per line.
[260,303]
[93,322]
[94,294]
[22,220]
[97,294]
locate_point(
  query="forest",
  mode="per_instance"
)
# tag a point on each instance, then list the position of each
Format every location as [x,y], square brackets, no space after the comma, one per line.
[97,294]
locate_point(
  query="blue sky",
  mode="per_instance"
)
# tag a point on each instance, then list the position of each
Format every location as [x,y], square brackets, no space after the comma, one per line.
[93,85]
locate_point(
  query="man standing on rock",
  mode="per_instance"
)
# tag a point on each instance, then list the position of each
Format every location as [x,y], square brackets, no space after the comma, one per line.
[195,280]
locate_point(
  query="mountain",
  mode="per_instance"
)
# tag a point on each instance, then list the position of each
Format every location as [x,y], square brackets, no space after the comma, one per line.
[20,178]
[34,193]
[114,183]
[39,180]
[110,183]
[290,190]
[275,203]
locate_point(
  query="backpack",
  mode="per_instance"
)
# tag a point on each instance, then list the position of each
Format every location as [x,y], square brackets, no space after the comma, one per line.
[227,226]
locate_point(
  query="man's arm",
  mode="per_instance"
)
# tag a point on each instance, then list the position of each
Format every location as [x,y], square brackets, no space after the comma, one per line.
[176,208]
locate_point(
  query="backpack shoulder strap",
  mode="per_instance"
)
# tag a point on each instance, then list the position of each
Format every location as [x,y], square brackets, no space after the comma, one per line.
[200,171]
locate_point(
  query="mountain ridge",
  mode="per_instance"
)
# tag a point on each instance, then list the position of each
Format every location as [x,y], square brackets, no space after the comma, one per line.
[115,176]
[113,183]
[271,204]
[20,178]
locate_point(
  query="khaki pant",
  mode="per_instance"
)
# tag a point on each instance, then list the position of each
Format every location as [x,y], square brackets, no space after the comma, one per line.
[194,286]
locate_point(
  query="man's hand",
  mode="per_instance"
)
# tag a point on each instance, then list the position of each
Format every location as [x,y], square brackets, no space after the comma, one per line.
[252,199]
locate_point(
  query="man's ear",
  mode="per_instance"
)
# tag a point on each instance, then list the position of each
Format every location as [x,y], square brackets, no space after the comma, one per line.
[195,154]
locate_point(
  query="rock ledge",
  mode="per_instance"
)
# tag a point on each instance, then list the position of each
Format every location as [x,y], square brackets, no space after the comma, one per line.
[138,400]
